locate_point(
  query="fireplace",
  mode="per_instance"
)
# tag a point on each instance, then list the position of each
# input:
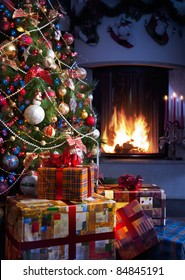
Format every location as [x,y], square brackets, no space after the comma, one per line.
[130,107]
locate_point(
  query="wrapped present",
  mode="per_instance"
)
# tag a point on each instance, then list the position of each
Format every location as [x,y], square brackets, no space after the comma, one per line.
[151,198]
[68,183]
[172,240]
[135,232]
[53,229]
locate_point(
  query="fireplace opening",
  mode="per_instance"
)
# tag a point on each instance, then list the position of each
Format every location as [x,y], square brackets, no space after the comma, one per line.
[130,106]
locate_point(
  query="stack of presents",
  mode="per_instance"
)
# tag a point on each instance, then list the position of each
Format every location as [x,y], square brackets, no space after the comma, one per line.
[70,218]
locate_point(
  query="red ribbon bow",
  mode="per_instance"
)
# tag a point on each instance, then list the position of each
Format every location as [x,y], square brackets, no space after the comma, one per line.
[65,159]
[130,182]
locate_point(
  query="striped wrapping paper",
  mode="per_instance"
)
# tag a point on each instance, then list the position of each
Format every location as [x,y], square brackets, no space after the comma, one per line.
[134,231]
[151,198]
[53,229]
[68,183]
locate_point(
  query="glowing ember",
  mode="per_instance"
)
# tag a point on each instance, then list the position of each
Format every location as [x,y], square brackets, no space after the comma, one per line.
[123,135]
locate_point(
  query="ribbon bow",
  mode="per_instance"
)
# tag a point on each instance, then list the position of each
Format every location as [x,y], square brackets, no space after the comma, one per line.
[65,159]
[77,142]
[130,182]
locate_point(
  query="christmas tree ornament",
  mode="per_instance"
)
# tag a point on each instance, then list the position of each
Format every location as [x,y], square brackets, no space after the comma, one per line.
[39,72]
[63,108]
[62,91]
[72,104]
[68,38]
[3,101]
[81,73]
[9,49]
[49,62]
[90,97]
[90,120]
[54,119]
[80,95]
[94,151]
[4,188]
[1,141]
[49,131]
[95,133]
[12,138]
[36,128]
[69,83]
[51,93]
[34,114]
[10,162]
[38,98]
[84,114]
[25,40]
[57,35]
[43,143]
[6,24]
[28,184]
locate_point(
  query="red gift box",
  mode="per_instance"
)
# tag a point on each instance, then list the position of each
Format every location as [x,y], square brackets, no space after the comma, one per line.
[67,183]
[134,231]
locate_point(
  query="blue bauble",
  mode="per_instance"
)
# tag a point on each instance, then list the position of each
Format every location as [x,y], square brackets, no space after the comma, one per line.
[10,162]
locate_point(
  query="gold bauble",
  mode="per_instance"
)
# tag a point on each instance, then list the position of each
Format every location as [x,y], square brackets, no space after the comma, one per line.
[12,138]
[36,128]
[63,108]
[62,91]
[13,104]
[84,114]
[54,119]
[9,49]
[43,143]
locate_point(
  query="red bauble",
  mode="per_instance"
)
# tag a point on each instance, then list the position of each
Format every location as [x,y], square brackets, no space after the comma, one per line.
[49,131]
[69,39]
[90,121]
[6,24]
[3,101]
[26,40]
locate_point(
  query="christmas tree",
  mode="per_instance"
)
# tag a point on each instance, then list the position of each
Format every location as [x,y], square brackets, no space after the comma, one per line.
[46,112]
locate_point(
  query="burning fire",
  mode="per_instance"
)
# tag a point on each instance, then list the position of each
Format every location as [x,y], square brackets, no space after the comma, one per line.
[126,135]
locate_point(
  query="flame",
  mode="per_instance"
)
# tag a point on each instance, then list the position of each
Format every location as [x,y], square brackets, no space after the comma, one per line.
[125,133]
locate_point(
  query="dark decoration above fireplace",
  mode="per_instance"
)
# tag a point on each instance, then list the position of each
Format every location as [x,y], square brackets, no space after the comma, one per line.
[130,104]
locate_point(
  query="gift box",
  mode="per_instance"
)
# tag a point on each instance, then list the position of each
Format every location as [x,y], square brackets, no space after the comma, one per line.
[68,183]
[53,229]
[151,198]
[172,240]
[135,232]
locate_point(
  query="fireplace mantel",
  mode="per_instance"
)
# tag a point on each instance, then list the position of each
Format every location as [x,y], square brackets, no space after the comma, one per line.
[168,174]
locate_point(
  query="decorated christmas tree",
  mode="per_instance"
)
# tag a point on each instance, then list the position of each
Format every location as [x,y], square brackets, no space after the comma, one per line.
[46,112]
